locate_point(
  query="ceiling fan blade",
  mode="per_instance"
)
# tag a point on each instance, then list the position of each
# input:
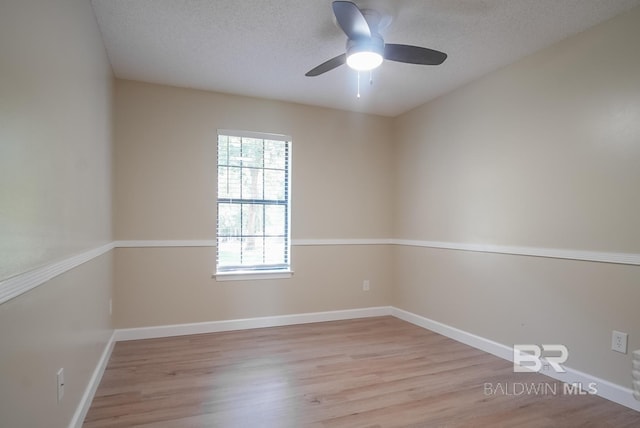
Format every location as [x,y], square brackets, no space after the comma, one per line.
[327,66]
[351,20]
[413,54]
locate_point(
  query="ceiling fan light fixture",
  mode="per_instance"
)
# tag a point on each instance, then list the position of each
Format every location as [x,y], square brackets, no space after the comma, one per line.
[364,60]
[365,55]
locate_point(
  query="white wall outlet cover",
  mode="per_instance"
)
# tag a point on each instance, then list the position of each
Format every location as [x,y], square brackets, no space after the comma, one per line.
[619,341]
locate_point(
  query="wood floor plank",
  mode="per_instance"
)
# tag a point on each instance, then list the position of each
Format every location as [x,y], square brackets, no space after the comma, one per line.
[373,372]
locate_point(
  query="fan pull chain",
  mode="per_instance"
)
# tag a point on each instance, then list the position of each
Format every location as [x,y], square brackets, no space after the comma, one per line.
[370,81]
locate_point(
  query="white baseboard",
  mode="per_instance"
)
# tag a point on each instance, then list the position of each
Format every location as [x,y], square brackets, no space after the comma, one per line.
[608,390]
[92,386]
[478,342]
[248,323]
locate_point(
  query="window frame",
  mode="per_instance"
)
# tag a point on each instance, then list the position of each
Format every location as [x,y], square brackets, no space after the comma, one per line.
[264,271]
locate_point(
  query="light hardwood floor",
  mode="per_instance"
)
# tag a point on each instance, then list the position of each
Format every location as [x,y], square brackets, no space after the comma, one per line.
[373,372]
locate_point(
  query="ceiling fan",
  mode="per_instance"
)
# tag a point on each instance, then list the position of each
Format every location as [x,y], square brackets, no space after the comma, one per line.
[366,48]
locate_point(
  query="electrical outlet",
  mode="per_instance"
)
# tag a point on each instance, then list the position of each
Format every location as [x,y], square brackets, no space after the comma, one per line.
[365,285]
[619,342]
[60,379]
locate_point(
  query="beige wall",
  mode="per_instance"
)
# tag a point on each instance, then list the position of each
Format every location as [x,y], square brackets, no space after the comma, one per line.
[64,323]
[164,286]
[55,201]
[165,189]
[55,136]
[544,153]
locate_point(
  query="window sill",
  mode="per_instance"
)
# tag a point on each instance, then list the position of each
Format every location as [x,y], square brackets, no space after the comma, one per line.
[251,276]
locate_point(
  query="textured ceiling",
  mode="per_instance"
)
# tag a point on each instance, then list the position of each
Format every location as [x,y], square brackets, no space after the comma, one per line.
[263,48]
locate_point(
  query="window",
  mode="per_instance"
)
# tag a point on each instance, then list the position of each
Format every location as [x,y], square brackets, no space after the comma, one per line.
[253,203]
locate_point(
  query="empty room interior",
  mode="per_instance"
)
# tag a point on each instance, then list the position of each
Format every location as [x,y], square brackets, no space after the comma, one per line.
[208,219]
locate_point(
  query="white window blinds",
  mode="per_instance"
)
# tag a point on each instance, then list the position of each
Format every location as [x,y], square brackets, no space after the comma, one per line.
[253,202]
